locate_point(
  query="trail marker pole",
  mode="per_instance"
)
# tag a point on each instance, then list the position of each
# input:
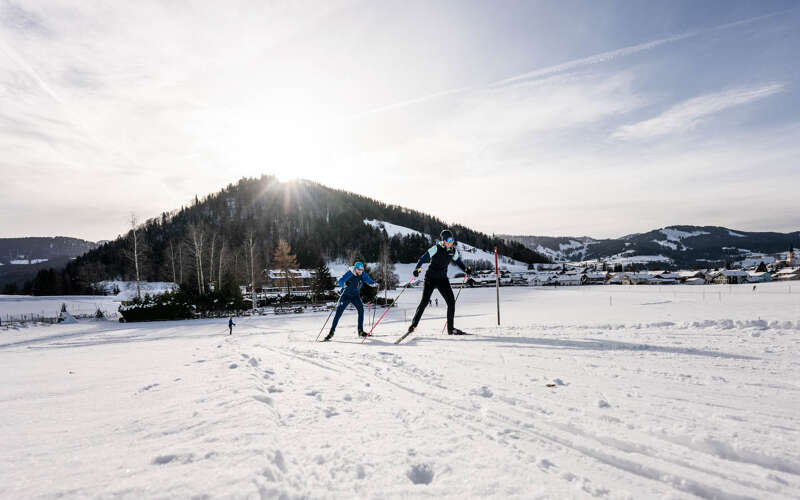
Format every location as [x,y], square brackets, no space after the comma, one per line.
[497,284]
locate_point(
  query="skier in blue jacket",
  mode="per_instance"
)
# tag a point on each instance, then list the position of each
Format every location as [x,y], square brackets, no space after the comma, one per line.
[439,255]
[351,294]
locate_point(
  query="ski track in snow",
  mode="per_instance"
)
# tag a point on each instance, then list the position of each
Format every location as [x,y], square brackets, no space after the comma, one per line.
[666,394]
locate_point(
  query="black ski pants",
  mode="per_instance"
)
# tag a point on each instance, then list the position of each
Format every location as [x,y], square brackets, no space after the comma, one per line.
[443,285]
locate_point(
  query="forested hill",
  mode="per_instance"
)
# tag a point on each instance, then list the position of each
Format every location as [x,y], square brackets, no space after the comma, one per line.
[317,221]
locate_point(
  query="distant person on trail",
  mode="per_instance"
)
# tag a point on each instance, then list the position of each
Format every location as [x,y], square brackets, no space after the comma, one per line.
[231,324]
[439,255]
[437,301]
[351,294]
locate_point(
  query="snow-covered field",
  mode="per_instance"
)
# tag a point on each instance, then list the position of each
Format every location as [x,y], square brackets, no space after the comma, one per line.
[658,392]
[16,306]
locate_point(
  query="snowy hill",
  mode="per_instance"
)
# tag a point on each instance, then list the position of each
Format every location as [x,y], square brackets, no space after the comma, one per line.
[469,252]
[315,220]
[671,392]
[689,246]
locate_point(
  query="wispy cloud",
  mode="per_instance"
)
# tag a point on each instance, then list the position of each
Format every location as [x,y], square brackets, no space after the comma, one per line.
[689,114]
[625,51]
[566,66]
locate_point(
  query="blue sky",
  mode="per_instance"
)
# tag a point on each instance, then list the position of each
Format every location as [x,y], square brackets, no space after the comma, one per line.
[547,118]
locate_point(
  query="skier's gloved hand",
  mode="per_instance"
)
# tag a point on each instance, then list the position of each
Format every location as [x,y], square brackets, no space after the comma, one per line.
[373,285]
[416,272]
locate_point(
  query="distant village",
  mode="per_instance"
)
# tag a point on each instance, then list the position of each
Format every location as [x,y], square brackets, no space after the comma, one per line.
[783,267]
[752,270]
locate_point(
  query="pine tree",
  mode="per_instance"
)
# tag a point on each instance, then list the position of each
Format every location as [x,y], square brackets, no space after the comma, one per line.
[284,262]
[323,281]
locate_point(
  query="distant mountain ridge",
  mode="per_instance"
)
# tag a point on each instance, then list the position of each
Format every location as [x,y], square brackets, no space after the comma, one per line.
[680,246]
[22,258]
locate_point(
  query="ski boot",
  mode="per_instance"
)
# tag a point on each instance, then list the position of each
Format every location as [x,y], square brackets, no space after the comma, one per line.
[456,331]
[362,334]
[328,337]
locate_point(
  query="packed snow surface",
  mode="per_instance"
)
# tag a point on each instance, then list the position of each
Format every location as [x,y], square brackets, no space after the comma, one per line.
[583,392]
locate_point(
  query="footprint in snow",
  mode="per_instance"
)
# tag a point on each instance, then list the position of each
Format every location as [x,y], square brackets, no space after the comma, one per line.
[264,399]
[233,365]
[421,474]
[168,459]
[483,392]
[253,362]
[545,464]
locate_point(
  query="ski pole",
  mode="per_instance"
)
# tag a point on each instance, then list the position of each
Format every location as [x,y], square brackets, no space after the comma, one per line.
[329,317]
[454,302]
[394,301]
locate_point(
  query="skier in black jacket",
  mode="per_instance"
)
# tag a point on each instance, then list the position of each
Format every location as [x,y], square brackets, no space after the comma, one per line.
[439,257]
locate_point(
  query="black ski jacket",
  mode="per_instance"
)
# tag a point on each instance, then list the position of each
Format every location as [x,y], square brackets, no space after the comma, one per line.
[439,257]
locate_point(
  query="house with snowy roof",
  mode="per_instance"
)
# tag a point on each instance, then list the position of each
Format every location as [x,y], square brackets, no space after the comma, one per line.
[684,276]
[758,277]
[636,279]
[542,278]
[570,279]
[298,277]
[787,274]
[730,277]
[596,277]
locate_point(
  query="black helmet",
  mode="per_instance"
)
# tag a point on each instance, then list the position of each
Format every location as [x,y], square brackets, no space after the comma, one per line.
[446,235]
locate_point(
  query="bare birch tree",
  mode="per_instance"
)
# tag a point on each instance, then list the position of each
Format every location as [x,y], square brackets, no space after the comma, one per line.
[251,250]
[136,243]
[196,237]
[172,261]
[211,259]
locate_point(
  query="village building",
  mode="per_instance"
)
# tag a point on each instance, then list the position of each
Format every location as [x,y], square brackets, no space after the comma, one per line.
[695,281]
[684,276]
[297,277]
[570,279]
[758,277]
[596,277]
[787,274]
[636,279]
[730,277]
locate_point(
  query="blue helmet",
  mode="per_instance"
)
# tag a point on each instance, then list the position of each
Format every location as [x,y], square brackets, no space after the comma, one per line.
[358,265]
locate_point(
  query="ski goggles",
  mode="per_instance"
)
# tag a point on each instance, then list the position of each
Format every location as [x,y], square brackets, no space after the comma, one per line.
[450,240]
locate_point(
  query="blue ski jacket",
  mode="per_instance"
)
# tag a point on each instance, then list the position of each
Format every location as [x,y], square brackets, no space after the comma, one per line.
[351,282]
[439,257]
